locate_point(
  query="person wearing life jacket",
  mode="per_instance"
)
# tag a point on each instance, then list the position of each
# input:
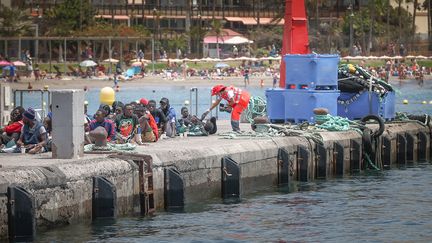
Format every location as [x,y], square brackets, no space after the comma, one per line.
[237,99]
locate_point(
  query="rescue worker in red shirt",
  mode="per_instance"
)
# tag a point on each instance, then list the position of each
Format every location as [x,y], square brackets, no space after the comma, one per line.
[13,130]
[237,99]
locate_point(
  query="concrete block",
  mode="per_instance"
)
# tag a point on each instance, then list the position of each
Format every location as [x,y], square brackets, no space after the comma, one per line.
[68,124]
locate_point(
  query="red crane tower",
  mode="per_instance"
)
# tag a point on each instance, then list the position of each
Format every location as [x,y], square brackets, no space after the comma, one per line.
[295,37]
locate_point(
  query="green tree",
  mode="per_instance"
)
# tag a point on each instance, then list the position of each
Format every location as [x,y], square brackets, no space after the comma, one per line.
[70,16]
[14,21]
[216,28]
[177,42]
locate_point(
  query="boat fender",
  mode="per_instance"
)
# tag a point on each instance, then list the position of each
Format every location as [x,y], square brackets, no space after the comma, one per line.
[380,121]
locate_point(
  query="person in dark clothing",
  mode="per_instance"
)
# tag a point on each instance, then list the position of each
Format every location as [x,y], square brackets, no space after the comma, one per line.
[126,124]
[169,112]
[13,130]
[33,134]
[185,117]
[158,115]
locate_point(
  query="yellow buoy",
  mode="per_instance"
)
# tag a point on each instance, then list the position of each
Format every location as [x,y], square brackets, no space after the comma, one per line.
[107,96]
[424,102]
[430,102]
[405,102]
[351,68]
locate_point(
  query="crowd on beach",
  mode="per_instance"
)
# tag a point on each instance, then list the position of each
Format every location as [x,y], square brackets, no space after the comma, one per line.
[135,122]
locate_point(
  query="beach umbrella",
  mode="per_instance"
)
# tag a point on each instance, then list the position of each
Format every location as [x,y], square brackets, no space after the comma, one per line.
[136,64]
[138,60]
[421,57]
[229,59]
[88,63]
[19,64]
[4,63]
[111,60]
[397,57]
[410,57]
[221,65]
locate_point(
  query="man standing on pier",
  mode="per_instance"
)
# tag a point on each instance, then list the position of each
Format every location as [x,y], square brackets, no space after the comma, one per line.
[237,99]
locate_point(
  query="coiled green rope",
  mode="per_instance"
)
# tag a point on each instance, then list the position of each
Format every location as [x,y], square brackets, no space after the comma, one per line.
[257,107]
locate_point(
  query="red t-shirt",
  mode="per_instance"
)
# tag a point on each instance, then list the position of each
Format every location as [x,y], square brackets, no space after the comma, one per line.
[14,127]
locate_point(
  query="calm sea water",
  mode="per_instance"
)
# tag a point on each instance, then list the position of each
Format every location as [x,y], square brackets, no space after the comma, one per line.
[179,94]
[391,206]
[394,205]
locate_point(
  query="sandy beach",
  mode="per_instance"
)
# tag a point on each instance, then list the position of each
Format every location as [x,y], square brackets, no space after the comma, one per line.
[80,83]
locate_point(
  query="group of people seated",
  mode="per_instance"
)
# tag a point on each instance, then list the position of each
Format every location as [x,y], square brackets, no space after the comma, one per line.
[26,133]
[135,122]
[144,122]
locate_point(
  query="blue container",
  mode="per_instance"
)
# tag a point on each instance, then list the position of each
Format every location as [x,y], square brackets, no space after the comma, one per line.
[356,106]
[276,105]
[296,106]
[311,71]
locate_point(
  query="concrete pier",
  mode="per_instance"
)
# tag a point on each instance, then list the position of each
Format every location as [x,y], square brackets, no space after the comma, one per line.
[63,189]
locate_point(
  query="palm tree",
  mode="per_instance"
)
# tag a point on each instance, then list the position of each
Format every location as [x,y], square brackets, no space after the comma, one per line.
[217,29]
[415,6]
[14,22]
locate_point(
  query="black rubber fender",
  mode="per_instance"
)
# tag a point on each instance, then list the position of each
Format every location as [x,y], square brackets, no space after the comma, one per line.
[367,141]
[380,121]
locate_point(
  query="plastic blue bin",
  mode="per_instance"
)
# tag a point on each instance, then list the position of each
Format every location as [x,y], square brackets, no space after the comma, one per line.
[360,108]
[311,71]
[276,105]
[296,106]
[299,104]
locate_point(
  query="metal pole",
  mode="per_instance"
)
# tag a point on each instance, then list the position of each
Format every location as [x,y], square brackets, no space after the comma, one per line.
[37,43]
[153,55]
[196,101]
[50,54]
[370,95]
[65,55]
[110,55]
[351,30]
[19,49]
[190,101]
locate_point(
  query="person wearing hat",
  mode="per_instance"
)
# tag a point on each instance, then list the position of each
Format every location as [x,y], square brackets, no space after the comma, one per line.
[33,134]
[158,116]
[237,99]
[170,113]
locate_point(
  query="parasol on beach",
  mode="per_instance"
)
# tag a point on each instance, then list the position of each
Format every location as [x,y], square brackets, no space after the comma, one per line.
[88,63]
[221,65]
[19,64]
[136,64]
[4,63]
[111,60]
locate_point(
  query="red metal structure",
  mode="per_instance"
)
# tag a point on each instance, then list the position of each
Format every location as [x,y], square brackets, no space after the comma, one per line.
[295,38]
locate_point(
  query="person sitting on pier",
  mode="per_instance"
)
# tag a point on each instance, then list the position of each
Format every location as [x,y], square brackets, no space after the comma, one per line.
[101,121]
[33,134]
[126,124]
[158,115]
[12,131]
[148,127]
[169,112]
[185,119]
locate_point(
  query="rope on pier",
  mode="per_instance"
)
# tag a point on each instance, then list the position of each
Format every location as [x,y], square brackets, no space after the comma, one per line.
[257,107]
